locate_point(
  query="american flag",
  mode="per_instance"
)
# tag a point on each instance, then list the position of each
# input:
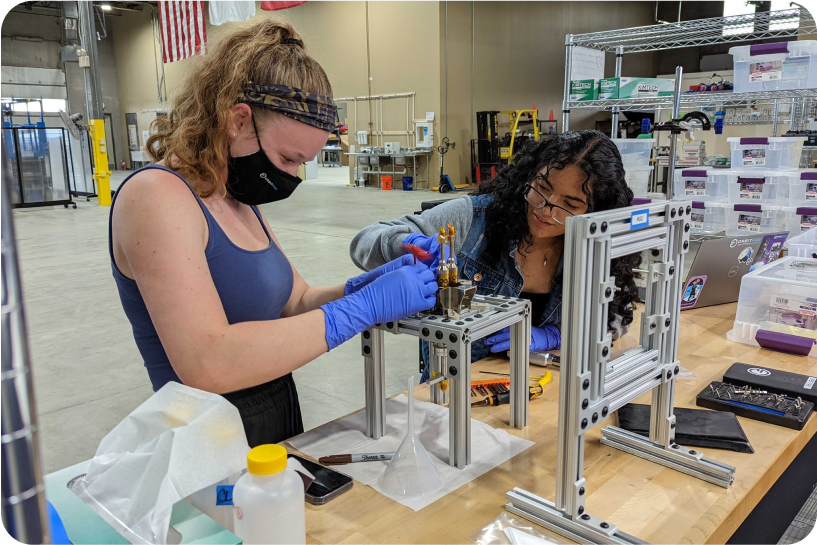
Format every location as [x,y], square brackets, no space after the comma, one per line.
[184,33]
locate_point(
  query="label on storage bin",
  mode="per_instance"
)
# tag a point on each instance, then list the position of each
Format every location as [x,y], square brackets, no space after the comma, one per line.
[749,222]
[639,219]
[754,156]
[807,221]
[765,71]
[697,220]
[811,191]
[695,187]
[751,191]
[793,312]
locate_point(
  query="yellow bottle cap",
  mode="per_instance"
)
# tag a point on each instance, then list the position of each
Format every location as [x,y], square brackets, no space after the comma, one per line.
[267,459]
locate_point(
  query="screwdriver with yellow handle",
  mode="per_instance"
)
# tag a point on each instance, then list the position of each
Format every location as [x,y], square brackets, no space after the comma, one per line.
[505,397]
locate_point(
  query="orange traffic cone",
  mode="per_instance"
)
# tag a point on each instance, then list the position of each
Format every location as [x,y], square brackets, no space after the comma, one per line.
[551,116]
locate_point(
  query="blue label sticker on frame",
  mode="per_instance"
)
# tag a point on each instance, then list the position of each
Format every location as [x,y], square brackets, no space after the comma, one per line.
[639,219]
[224,495]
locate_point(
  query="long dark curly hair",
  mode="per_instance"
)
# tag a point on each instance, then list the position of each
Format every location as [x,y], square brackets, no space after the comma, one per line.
[605,188]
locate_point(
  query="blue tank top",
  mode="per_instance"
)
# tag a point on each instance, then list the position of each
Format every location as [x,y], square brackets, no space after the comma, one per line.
[252,285]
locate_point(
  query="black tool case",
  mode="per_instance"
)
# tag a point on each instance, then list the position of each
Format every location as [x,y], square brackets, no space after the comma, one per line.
[757,407]
[773,381]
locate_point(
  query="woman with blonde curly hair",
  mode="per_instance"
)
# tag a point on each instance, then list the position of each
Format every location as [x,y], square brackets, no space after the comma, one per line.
[213,300]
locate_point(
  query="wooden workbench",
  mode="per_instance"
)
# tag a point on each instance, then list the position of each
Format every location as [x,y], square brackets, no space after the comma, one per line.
[644,499]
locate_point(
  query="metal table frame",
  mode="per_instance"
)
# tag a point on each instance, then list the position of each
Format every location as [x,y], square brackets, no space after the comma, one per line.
[393,171]
[592,386]
[450,344]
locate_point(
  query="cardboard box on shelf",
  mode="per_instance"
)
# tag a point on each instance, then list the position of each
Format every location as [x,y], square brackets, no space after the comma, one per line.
[584,89]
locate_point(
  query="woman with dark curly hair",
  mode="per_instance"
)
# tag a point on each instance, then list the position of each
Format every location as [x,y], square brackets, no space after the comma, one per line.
[511,233]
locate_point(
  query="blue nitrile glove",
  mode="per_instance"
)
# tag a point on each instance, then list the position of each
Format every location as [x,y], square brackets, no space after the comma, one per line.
[430,245]
[355,284]
[395,295]
[541,339]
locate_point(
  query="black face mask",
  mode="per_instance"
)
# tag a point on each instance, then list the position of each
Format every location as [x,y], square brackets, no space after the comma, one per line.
[253,179]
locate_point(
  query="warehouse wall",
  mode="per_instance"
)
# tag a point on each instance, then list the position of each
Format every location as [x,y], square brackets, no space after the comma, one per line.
[335,33]
[46,54]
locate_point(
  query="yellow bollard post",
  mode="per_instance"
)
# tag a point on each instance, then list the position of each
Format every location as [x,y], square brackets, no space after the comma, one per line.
[102,175]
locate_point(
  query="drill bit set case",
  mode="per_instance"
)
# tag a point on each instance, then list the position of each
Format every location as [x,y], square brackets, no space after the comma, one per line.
[777,307]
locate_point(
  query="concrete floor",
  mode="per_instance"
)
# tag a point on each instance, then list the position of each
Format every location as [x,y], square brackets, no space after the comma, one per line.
[87,371]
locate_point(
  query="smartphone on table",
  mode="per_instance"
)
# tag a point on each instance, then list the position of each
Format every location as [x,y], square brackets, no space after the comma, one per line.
[328,483]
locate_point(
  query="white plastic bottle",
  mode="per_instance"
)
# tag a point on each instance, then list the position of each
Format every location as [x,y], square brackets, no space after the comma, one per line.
[268,500]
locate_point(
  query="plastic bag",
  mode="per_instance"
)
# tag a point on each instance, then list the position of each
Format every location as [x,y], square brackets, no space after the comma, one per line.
[493,533]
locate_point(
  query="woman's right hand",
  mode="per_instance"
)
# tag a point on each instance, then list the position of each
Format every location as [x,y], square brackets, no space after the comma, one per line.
[403,292]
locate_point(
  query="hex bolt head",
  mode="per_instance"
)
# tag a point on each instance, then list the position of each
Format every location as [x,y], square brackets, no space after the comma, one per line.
[584,423]
[452,354]
[655,253]
[669,375]
[367,335]
[377,325]
[604,227]
[605,351]
[452,371]
[604,412]
[604,525]
[672,425]
[693,452]
[367,350]
[671,271]
[689,210]
[686,245]
[432,317]
[425,332]
[503,305]
[469,319]
[672,213]
[581,491]
[390,324]
[675,446]
[681,211]
[446,320]
[452,338]
[652,325]
[677,369]
[476,316]
[586,384]
[585,404]
[580,509]
[608,292]
[592,228]
[585,517]
[439,335]
[667,322]
[686,228]
[595,418]
[459,323]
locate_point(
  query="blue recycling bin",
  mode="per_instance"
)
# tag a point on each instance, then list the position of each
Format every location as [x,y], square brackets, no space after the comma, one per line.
[408,183]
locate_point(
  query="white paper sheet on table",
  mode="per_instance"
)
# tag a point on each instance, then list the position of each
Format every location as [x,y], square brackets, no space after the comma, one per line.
[489,447]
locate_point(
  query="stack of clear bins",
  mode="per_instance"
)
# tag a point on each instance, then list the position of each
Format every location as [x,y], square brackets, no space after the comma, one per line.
[635,156]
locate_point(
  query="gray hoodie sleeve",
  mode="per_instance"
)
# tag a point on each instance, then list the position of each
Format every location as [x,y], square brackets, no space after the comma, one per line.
[381,242]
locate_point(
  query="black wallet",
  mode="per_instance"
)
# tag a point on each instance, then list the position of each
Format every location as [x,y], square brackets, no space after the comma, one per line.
[693,427]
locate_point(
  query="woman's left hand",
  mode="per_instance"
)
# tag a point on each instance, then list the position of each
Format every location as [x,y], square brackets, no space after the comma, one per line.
[355,284]
[541,339]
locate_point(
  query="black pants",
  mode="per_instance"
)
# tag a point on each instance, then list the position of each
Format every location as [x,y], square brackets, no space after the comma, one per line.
[270,412]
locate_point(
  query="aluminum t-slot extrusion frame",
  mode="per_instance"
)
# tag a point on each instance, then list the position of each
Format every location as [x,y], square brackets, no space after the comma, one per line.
[592,386]
[450,347]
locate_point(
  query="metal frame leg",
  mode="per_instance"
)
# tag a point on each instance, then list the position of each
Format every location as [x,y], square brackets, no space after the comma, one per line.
[439,359]
[459,408]
[520,370]
[374,365]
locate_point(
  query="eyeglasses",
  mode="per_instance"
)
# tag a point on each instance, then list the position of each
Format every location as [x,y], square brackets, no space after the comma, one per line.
[539,201]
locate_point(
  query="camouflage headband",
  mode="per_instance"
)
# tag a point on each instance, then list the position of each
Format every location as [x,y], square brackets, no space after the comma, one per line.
[316,110]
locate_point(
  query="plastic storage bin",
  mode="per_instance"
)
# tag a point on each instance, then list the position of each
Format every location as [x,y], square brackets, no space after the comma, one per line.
[804,244]
[802,188]
[760,186]
[701,184]
[708,218]
[635,152]
[778,299]
[800,219]
[638,179]
[769,67]
[773,153]
[754,219]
